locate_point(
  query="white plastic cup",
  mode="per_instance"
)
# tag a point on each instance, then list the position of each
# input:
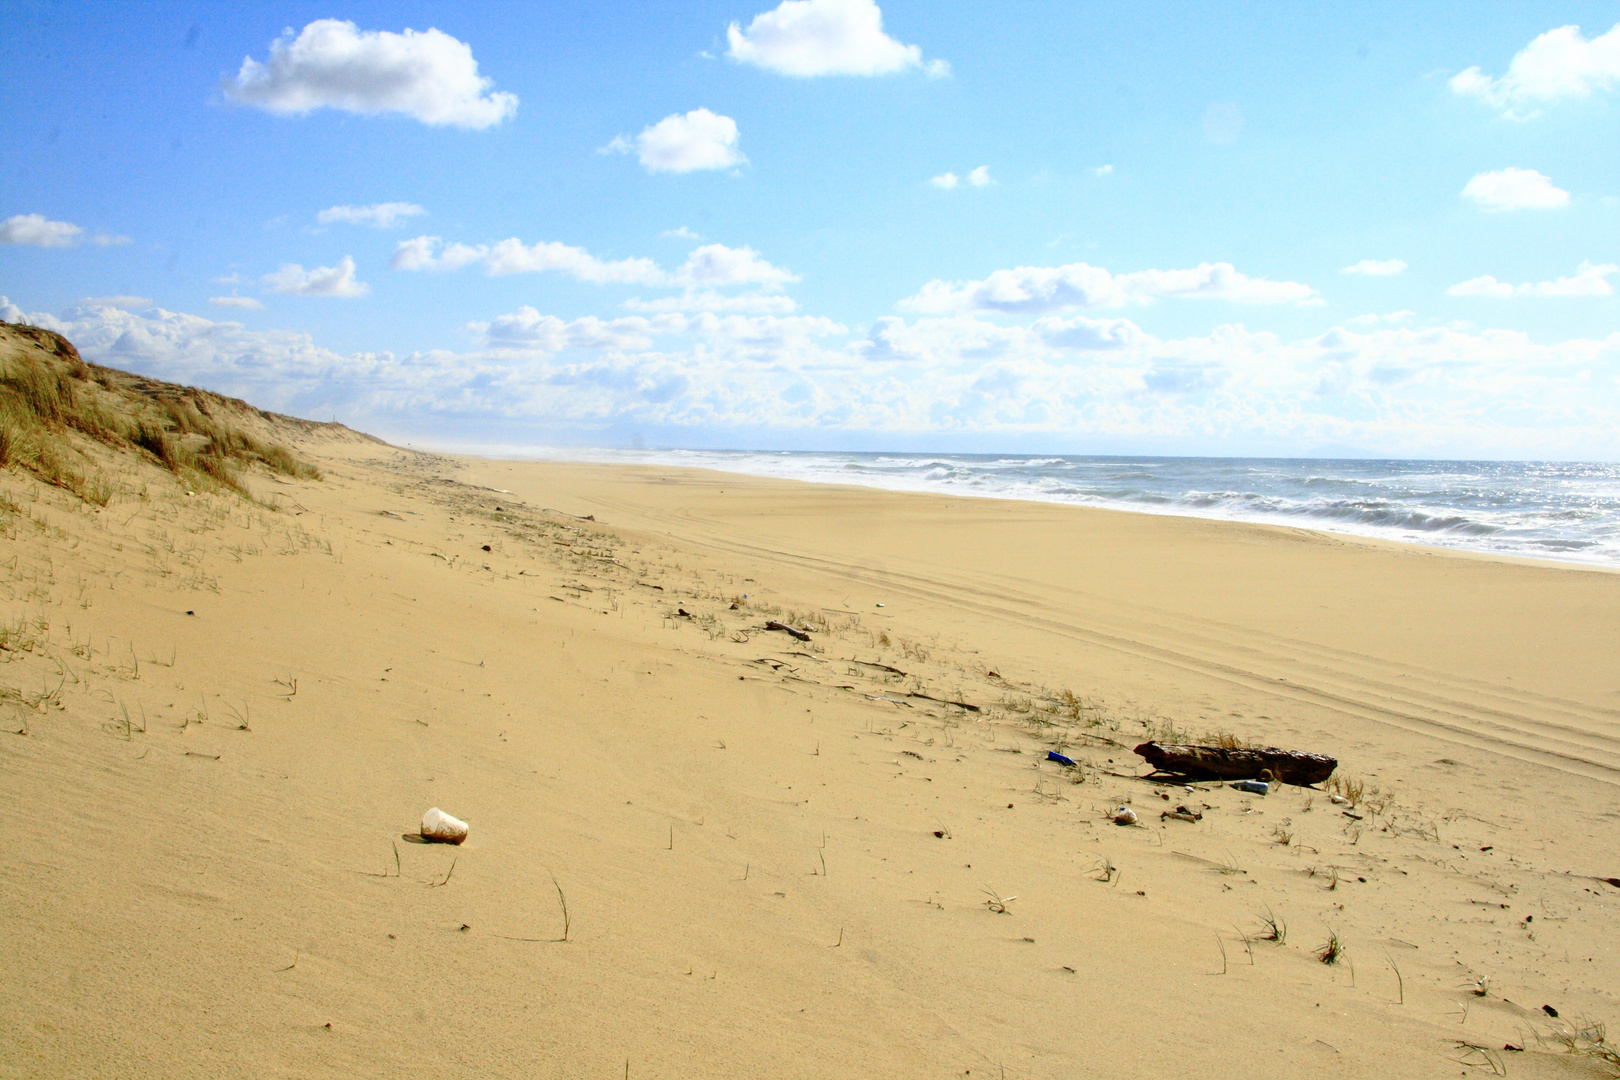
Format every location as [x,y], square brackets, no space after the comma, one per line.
[440,827]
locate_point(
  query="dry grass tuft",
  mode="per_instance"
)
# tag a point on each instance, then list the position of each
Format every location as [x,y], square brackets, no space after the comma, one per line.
[1273,928]
[1332,950]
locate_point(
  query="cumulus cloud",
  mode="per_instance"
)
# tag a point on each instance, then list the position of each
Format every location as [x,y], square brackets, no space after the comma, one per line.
[980,177]
[294,280]
[528,329]
[1589,279]
[683,143]
[709,266]
[946,181]
[35,230]
[332,64]
[807,38]
[244,303]
[118,300]
[513,256]
[1038,290]
[1559,65]
[1402,316]
[1103,170]
[750,303]
[1375,267]
[377,215]
[717,264]
[1515,189]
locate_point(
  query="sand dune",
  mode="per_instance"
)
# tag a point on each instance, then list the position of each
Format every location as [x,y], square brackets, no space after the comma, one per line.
[778,857]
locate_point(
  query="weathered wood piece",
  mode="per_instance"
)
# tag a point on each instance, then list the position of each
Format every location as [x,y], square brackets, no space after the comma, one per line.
[1238,763]
[786,629]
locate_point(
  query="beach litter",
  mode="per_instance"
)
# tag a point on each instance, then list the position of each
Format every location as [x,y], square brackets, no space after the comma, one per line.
[439,827]
[1053,755]
[1238,762]
[1181,813]
[1124,816]
[1253,787]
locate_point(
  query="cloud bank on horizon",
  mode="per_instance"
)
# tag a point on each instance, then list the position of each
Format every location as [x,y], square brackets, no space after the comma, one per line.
[608,264]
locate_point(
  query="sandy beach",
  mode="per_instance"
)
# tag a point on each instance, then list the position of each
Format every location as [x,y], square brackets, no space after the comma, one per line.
[701,848]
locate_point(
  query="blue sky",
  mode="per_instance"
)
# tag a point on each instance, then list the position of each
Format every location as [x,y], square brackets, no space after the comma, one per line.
[817,224]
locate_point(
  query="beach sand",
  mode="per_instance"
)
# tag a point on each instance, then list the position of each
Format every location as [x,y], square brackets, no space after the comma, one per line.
[700,848]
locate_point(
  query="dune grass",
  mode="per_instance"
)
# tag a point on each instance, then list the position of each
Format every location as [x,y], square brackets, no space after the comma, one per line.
[53,405]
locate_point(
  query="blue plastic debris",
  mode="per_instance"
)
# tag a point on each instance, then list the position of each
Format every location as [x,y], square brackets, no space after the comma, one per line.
[1053,755]
[1253,787]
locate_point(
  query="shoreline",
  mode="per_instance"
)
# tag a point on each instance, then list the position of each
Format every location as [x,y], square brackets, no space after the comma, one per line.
[1289,520]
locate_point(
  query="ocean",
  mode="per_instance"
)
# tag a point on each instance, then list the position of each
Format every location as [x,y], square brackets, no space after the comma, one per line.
[1567,511]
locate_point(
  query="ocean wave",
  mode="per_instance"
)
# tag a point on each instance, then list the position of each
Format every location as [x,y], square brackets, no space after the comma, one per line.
[1568,511]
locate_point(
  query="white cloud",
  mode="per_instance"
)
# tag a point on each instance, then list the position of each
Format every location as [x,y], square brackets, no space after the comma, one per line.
[949,181]
[752,303]
[1393,317]
[1588,280]
[35,230]
[245,303]
[1515,189]
[513,256]
[807,38]
[294,280]
[333,64]
[711,265]
[1376,267]
[685,143]
[1558,65]
[118,301]
[1035,289]
[1064,383]
[1103,170]
[717,264]
[377,215]
[682,233]
[527,329]
[1482,286]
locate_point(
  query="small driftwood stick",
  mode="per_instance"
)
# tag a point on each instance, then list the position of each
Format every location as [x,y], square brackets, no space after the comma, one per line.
[1236,763]
[945,701]
[786,629]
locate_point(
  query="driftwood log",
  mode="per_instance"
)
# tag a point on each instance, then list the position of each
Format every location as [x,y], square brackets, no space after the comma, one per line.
[1238,763]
